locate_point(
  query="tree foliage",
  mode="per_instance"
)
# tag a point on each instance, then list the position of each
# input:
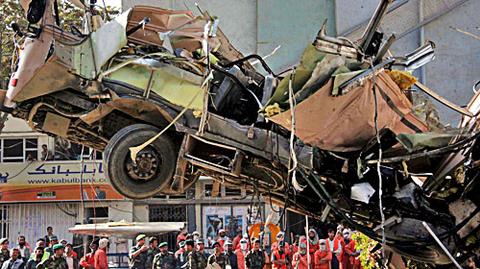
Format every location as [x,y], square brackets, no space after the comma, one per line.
[10,11]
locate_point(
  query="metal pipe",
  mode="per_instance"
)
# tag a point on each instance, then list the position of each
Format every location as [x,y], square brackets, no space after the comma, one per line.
[430,231]
[374,23]
[422,37]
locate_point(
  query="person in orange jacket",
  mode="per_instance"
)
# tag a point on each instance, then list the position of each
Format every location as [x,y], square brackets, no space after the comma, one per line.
[300,258]
[281,238]
[241,252]
[312,241]
[349,253]
[280,259]
[323,256]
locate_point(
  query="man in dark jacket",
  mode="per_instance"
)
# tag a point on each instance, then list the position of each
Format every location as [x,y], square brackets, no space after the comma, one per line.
[152,251]
[4,252]
[218,257]
[197,258]
[55,261]
[165,259]
[229,251]
[255,258]
[32,262]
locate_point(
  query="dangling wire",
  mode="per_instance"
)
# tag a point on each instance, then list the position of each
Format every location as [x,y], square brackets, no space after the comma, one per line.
[379,173]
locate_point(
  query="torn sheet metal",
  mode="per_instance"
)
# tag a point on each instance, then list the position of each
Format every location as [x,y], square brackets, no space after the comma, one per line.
[462,209]
[415,142]
[346,122]
[185,30]
[140,109]
[362,192]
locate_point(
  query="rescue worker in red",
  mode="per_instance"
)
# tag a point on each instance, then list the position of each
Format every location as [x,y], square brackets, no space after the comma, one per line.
[349,254]
[241,253]
[312,241]
[281,238]
[335,246]
[221,238]
[323,256]
[280,258]
[300,258]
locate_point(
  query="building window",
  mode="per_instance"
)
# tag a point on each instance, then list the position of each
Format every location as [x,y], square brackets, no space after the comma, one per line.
[207,189]
[97,215]
[66,150]
[18,149]
[31,149]
[233,191]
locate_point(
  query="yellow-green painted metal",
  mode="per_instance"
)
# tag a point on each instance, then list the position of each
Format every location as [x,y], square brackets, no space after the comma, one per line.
[171,83]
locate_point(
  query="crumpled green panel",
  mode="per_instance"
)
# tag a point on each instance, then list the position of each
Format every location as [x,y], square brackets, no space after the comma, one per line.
[320,75]
[310,57]
[281,93]
[171,87]
[414,142]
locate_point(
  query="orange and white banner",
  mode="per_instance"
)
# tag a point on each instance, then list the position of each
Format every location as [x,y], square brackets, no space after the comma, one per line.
[54,181]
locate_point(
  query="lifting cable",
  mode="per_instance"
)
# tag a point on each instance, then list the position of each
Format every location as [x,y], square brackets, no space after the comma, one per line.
[379,172]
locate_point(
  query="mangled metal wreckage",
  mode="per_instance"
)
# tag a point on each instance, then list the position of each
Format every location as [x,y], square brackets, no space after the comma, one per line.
[320,138]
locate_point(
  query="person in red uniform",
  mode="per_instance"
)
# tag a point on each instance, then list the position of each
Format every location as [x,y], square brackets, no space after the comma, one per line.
[323,256]
[182,236]
[280,258]
[348,251]
[101,260]
[294,246]
[88,261]
[221,238]
[312,241]
[241,252]
[339,235]
[301,257]
[237,238]
[334,245]
[281,238]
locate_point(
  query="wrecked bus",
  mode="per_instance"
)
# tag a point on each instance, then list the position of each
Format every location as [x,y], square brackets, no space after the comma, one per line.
[166,97]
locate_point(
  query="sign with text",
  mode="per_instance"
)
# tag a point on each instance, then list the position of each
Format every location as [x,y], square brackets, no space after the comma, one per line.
[54,181]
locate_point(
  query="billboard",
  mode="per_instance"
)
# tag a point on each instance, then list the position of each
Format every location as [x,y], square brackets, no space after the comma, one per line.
[54,181]
[229,218]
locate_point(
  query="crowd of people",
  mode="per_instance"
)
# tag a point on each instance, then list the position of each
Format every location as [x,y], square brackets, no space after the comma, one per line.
[337,251]
[334,252]
[51,253]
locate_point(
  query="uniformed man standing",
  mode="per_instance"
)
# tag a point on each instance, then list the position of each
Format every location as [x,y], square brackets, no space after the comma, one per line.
[197,258]
[4,252]
[218,257]
[228,247]
[152,251]
[165,259]
[138,254]
[255,258]
[55,261]
[184,256]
